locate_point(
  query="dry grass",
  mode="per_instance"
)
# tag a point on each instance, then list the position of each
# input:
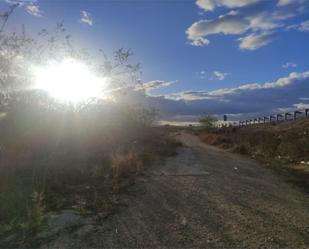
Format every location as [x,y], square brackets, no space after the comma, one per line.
[123,167]
[284,146]
[125,164]
[72,163]
[241,148]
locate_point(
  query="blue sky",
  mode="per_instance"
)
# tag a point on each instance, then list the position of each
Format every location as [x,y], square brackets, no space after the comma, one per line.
[195,50]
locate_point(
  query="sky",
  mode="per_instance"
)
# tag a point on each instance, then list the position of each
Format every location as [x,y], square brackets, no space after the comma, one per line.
[243,58]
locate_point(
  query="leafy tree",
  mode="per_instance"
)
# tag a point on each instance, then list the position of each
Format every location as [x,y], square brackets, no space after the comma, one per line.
[147,117]
[208,121]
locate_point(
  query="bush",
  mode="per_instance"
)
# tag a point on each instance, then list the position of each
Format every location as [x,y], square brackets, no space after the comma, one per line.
[208,121]
[241,148]
[125,164]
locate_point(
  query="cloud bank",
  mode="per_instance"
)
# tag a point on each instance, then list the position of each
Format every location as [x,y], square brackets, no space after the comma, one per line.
[244,101]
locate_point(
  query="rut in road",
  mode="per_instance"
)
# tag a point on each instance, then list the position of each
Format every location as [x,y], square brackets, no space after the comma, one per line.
[203,197]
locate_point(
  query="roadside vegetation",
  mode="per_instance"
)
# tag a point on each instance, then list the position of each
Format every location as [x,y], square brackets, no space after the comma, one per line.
[61,156]
[69,162]
[282,146]
[208,121]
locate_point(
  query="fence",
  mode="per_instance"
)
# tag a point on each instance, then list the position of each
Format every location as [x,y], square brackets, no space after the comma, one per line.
[287,116]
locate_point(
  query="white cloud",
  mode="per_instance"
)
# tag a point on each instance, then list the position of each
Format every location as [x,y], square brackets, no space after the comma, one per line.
[31,6]
[86,18]
[199,42]
[231,23]
[235,23]
[301,106]
[155,84]
[289,65]
[303,26]
[256,16]
[33,9]
[266,21]
[18,2]
[201,74]
[224,92]
[255,41]
[288,2]
[219,75]
[210,5]
[285,2]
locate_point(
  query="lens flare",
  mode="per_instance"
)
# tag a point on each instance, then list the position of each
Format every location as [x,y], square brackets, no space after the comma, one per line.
[69,80]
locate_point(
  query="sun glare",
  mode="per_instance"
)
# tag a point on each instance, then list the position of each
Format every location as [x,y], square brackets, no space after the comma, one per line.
[69,80]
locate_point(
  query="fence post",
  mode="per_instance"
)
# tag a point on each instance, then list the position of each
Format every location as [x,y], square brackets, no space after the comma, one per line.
[271,117]
[279,116]
[264,119]
[286,115]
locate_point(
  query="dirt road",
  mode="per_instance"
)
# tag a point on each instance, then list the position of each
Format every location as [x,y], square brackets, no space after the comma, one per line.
[203,197]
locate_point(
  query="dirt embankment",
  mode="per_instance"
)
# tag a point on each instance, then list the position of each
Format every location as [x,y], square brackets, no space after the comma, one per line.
[283,146]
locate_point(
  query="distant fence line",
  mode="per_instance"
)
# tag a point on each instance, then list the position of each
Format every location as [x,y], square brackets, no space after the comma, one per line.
[273,118]
[287,116]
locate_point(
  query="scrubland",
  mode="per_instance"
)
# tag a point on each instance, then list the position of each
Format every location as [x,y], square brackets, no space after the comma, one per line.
[63,159]
[282,146]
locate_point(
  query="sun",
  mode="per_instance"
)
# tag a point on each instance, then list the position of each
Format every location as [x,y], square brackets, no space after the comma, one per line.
[69,81]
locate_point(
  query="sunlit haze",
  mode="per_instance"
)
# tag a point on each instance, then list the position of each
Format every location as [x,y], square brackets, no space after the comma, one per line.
[69,80]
